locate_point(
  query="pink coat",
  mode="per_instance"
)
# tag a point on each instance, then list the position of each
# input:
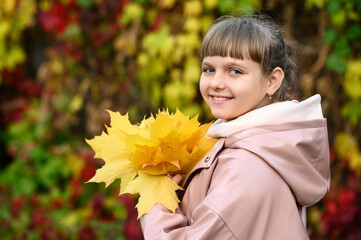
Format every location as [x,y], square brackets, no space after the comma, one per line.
[252,185]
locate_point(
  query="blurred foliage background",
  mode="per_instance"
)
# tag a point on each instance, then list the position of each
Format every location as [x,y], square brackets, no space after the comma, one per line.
[63,62]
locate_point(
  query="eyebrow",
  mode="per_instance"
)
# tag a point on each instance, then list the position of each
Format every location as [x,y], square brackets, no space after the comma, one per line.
[204,63]
[228,64]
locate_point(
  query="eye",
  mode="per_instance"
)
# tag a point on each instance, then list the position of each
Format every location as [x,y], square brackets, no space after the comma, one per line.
[235,71]
[208,70]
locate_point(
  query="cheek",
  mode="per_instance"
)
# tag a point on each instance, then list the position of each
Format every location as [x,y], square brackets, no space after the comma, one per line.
[203,87]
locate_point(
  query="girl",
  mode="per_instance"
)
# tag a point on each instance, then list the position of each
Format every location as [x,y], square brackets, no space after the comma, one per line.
[271,160]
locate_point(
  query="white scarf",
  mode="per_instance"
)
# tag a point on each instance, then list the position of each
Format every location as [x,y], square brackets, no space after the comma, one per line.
[279,112]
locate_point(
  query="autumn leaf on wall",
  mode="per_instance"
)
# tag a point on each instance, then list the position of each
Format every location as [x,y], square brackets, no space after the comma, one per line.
[140,155]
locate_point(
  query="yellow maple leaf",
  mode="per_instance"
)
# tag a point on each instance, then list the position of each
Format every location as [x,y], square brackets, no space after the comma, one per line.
[175,144]
[141,154]
[159,189]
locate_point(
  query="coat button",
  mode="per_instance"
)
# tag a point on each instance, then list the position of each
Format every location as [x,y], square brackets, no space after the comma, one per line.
[207,159]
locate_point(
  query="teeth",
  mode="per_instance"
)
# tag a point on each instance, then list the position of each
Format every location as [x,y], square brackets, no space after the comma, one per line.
[220,98]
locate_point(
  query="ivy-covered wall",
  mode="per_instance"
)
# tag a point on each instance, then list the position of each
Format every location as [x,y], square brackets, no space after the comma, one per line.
[63,62]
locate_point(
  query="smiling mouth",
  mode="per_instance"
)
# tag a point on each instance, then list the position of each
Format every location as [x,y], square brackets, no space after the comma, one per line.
[218,99]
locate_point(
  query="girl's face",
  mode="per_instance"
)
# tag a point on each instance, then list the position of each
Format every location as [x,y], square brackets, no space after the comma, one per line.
[231,87]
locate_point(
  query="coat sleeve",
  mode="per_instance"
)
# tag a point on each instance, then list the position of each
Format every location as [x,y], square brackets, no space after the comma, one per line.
[162,224]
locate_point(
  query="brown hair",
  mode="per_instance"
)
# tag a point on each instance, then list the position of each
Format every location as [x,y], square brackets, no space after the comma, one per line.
[256,39]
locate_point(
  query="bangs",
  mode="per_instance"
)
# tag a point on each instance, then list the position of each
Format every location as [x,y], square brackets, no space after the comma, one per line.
[236,38]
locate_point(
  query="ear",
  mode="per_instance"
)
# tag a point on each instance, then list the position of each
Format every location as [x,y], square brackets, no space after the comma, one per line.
[275,80]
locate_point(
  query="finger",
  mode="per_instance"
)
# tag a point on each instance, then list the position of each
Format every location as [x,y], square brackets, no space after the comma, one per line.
[177,178]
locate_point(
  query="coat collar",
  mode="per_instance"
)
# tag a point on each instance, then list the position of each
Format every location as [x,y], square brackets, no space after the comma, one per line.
[280,112]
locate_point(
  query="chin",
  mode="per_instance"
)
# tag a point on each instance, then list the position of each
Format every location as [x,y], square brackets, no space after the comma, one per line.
[222,116]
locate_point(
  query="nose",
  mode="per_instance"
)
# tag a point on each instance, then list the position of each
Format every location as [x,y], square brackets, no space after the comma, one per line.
[217,81]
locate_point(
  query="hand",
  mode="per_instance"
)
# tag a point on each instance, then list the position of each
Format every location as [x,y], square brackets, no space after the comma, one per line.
[176,178]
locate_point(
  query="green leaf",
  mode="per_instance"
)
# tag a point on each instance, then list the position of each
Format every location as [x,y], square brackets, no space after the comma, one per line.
[178,93]
[352,82]
[87,4]
[132,12]
[333,6]
[15,56]
[26,186]
[342,47]
[72,32]
[229,6]
[337,62]
[52,172]
[352,111]
[354,32]
[314,3]
[142,1]
[339,18]
[156,94]
[18,177]
[330,35]
[191,110]
[159,42]
[192,70]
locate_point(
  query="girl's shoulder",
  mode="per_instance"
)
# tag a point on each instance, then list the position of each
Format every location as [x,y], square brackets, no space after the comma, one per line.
[241,165]
[234,155]
[245,177]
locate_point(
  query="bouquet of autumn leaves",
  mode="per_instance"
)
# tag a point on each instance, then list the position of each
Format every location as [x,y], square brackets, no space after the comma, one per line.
[142,154]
